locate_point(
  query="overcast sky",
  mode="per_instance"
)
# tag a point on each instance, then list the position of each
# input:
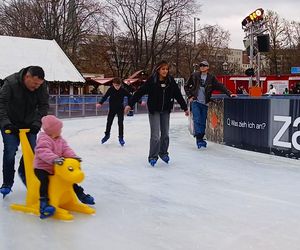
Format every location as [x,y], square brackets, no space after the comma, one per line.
[230,13]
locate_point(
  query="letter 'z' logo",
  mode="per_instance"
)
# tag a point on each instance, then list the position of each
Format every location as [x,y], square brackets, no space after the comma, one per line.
[287,121]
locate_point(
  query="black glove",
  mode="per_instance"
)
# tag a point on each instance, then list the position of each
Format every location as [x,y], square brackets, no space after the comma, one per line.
[77,158]
[11,129]
[34,129]
[59,161]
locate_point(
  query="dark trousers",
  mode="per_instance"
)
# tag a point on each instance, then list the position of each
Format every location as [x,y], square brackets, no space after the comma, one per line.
[11,143]
[110,118]
[43,177]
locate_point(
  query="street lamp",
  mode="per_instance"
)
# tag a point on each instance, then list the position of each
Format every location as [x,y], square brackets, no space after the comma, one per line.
[195,20]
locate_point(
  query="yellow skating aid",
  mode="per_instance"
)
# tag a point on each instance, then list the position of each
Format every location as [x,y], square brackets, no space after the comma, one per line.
[61,193]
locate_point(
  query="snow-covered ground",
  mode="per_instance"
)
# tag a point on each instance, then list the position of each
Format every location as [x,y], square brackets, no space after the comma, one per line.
[211,199]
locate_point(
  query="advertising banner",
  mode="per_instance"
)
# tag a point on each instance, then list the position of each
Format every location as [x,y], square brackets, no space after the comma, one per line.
[246,124]
[285,129]
[279,85]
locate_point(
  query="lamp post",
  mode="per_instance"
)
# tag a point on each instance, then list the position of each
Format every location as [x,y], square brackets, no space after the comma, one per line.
[225,67]
[195,20]
[225,70]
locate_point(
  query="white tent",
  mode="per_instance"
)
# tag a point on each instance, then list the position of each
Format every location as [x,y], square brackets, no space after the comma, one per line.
[17,53]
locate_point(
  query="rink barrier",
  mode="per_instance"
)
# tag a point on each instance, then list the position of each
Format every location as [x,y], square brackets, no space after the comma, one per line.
[69,106]
[269,124]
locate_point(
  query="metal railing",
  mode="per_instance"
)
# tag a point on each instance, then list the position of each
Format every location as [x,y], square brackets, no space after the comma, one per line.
[66,106]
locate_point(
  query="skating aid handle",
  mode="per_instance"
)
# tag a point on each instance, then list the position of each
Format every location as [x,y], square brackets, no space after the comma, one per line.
[8,131]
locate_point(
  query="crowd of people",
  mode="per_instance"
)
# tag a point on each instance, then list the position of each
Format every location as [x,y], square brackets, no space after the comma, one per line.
[24,103]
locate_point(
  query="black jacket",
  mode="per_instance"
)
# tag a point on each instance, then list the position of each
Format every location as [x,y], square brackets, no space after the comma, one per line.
[19,105]
[192,86]
[159,99]
[116,98]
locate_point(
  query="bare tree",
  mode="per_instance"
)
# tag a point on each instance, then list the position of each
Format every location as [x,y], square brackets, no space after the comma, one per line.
[151,26]
[276,28]
[66,21]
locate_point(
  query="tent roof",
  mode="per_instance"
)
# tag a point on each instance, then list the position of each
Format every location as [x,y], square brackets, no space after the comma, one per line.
[18,52]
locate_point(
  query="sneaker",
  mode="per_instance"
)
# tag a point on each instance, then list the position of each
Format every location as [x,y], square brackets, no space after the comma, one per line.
[121,141]
[152,162]
[165,158]
[5,190]
[105,138]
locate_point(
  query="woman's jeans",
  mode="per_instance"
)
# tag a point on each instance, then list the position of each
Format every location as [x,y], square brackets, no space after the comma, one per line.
[159,138]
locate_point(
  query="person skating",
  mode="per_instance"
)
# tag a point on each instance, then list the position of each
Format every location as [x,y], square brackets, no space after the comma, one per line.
[116,94]
[161,89]
[24,100]
[199,88]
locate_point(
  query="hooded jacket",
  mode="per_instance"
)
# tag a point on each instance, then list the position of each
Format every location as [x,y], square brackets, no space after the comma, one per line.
[48,149]
[159,99]
[20,106]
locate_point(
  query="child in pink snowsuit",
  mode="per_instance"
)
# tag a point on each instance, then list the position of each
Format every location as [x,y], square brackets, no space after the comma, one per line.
[50,149]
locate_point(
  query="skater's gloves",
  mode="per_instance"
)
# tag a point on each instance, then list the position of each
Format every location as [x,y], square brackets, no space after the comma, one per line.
[34,129]
[11,129]
[59,161]
[98,105]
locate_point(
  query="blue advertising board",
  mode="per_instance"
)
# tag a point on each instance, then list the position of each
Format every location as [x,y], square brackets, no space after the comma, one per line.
[295,70]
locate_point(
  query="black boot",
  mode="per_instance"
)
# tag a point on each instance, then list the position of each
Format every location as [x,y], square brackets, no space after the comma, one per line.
[105,138]
[46,210]
[84,198]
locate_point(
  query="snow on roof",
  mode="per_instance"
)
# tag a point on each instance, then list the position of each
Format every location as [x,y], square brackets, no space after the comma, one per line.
[18,52]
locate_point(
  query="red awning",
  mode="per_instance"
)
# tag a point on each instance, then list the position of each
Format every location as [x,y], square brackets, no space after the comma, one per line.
[130,81]
[102,81]
[135,74]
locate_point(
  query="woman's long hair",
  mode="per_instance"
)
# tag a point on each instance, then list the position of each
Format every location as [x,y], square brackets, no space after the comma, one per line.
[155,74]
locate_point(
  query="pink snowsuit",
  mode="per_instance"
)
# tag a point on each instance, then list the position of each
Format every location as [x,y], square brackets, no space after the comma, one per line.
[48,149]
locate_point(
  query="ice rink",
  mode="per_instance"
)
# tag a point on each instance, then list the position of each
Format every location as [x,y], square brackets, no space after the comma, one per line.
[219,198]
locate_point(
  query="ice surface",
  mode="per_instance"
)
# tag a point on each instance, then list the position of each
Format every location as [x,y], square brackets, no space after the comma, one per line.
[208,199]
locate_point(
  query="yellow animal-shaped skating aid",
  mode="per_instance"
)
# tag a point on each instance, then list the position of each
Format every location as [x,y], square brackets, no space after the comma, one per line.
[61,193]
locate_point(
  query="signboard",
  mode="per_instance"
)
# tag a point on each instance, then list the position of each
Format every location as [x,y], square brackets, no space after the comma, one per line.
[246,124]
[279,85]
[295,70]
[284,129]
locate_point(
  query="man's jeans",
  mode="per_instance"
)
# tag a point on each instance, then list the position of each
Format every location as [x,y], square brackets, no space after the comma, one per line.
[11,143]
[159,140]
[199,117]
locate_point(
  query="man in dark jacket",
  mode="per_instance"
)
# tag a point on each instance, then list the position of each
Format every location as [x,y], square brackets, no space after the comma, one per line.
[23,102]
[199,88]
[116,94]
